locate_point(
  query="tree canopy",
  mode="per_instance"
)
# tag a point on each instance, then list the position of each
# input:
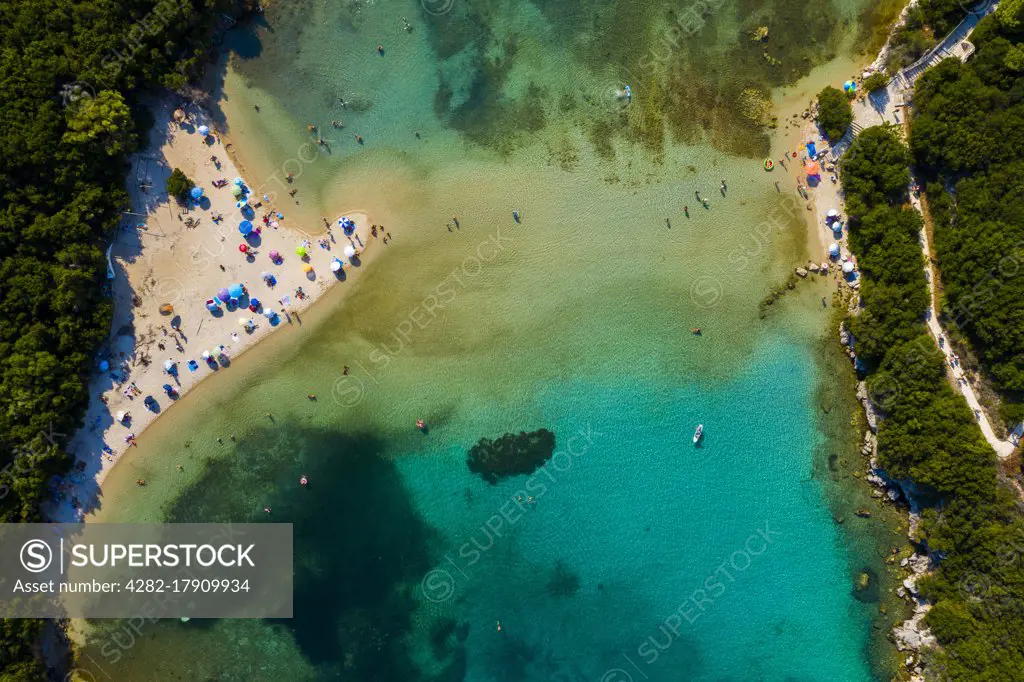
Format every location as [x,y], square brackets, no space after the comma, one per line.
[70,71]
[834,112]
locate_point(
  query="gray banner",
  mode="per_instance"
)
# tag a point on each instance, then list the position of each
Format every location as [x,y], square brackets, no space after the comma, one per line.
[184,570]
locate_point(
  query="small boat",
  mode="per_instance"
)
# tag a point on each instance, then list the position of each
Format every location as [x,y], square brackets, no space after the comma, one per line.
[769,164]
[698,434]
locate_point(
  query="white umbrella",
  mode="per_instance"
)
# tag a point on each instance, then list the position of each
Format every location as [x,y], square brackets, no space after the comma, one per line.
[349,251]
[245,322]
[238,181]
[121,415]
[269,312]
[168,365]
[848,267]
[833,249]
[335,265]
[265,275]
[206,355]
[832,213]
[204,130]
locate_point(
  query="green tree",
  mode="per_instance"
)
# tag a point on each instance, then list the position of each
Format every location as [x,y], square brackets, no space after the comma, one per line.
[179,185]
[834,112]
[103,122]
[876,81]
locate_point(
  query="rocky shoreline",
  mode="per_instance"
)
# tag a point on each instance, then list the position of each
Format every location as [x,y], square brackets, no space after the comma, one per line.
[912,635]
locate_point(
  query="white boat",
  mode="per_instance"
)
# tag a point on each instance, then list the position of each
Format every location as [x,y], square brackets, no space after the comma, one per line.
[698,433]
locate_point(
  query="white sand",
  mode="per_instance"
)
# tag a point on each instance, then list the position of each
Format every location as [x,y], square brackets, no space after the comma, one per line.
[166,262]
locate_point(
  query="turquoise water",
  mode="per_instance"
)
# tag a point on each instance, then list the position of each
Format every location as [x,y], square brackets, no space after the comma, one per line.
[640,556]
[641,524]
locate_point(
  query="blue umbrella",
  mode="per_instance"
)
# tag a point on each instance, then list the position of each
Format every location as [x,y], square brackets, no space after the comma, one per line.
[223,295]
[235,290]
[255,302]
[245,227]
[196,192]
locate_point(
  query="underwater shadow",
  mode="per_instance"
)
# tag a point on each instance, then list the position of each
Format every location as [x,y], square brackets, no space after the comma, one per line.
[361,548]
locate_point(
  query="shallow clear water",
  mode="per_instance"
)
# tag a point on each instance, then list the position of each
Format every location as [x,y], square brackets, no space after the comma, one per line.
[577,320]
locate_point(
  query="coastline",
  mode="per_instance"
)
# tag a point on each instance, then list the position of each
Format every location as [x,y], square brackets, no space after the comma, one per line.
[157,260]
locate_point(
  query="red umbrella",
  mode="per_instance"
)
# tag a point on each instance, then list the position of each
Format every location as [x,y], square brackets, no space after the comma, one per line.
[243,248]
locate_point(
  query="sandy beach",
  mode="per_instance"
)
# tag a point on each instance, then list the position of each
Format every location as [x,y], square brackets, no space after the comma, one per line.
[166,263]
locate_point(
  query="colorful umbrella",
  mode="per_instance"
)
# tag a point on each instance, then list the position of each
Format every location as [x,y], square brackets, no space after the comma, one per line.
[196,193]
[274,255]
[204,130]
[223,294]
[236,190]
[236,291]
[245,227]
[238,181]
[300,251]
[243,248]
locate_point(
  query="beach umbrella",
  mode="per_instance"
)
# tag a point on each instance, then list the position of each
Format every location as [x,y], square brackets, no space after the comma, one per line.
[848,267]
[242,203]
[104,365]
[269,313]
[205,355]
[204,130]
[236,190]
[245,227]
[274,255]
[168,365]
[224,294]
[121,415]
[335,265]
[832,213]
[237,181]
[349,251]
[244,321]
[265,275]
[833,249]
[255,302]
[196,192]
[849,86]
[300,251]
[243,248]
[236,291]
[812,168]
[307,268]
[168,388]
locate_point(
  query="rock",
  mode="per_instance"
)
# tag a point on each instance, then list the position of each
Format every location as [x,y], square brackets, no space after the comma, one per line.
[877,494]
[904,562]
[863,513]
[863,581]
[813,267]
[900,592]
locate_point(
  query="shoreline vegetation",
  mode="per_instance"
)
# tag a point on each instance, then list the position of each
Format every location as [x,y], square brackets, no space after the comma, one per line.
[966,518]
[72,117]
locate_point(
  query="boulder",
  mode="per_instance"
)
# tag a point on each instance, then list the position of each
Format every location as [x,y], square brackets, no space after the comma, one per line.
[801,272]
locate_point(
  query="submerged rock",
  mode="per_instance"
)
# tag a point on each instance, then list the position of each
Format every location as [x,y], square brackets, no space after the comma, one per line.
[511,454]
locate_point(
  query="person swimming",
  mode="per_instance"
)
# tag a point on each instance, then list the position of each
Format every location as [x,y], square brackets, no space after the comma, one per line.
[304,481]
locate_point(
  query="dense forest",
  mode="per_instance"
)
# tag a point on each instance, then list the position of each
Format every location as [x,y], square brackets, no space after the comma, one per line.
[71,72]
[968,142]
[928,434]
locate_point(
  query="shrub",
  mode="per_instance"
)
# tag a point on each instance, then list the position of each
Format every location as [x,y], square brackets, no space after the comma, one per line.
[876,81]
[179,185]
[834,113]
